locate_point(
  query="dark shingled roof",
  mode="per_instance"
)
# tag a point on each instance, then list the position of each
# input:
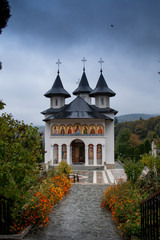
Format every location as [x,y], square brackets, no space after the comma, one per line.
[102,88]
[78,108]
[57,89]
[83,85]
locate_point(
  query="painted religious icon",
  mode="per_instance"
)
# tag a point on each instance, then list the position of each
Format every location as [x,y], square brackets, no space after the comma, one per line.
[85,130]
[77,129]
[90,151]
[62,130]
[100,130]
[54,130]
[64,151]
[92,130]
[69,130]
[99,151]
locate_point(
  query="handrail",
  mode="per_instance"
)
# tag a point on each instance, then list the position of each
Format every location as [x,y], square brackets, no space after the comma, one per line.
[150,217]
[150,197]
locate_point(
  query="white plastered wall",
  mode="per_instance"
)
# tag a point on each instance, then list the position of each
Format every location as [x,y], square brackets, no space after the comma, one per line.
[109,143]
[67,139]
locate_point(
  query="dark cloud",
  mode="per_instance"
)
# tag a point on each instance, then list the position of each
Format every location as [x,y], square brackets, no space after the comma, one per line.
[136,23]
[40,32]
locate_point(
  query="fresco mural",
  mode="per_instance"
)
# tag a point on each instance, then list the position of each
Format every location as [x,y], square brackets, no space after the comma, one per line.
[70,129]
[92,129]
[99,129]
[85,129]
[62,130]
[54,130]
[77,129]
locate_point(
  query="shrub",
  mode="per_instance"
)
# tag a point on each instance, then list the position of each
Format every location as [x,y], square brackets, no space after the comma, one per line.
[123,201]
[36,211]
[63,167]
[133,170]
[153,163]
[20,148]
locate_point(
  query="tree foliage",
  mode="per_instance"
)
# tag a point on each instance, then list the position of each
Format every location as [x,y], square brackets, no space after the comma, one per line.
[20,148]
[4,14]
[2,104]
[138,142]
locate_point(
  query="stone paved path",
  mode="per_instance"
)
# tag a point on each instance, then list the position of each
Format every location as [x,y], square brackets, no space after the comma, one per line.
[79,217]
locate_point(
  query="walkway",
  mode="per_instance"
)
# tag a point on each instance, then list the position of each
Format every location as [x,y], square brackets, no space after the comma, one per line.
[79,216]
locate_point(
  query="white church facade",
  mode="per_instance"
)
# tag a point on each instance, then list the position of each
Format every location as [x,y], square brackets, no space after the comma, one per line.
[80,132]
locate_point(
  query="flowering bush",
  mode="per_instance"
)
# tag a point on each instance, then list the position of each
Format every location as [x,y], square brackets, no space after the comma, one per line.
[123,201]
[37,210]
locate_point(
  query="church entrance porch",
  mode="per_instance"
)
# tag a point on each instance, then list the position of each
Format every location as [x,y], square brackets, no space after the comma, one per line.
[78,152]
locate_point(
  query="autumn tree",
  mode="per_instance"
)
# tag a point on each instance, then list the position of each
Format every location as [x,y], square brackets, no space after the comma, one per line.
[134,140]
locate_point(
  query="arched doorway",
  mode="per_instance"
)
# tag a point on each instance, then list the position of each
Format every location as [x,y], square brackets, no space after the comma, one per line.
[78,152]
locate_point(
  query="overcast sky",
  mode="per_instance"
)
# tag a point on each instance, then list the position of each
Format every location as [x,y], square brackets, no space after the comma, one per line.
[40,32]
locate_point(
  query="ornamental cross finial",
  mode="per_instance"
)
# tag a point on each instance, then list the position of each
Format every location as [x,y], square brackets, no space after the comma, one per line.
[83,60]
[58,63]
[101,62]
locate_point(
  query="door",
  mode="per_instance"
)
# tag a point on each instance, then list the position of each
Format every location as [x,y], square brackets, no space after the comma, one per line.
[78,152]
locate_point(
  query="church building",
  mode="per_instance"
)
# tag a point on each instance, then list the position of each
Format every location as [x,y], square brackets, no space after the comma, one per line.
[80,132]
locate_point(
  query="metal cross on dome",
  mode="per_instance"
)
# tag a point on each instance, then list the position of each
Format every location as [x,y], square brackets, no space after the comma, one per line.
[83,60]
[58,63]
[101,62]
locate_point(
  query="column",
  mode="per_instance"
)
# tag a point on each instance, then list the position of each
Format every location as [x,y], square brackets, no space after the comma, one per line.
[103,154]
[86,155]
[60,154]
[51,156]
[95,155]
[71,155]
[68,155]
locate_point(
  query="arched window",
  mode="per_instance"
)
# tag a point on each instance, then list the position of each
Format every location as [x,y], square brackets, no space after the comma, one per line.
[64,152]
[102,101]
[99,152]
[55,154]
[90,151]
[90,154]
[56,101]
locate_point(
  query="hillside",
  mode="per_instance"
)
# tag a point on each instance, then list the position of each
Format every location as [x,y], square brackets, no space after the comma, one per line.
[134,117]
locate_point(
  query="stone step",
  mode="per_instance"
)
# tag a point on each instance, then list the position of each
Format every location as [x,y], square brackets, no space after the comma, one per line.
[83,167]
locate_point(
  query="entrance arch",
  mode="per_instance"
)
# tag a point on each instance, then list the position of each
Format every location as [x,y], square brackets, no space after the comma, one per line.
[78,151]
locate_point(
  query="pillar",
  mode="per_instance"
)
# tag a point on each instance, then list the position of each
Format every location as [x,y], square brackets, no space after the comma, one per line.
[60,153]
[51,155]
[68,155]
[86,155]
[95,155]
[103,154]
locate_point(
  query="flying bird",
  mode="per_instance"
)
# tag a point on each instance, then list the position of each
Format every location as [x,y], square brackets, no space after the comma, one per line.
[112,25]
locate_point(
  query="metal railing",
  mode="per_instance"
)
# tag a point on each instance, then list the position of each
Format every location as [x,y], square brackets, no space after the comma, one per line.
[150,218]
[75,177]
[5,215]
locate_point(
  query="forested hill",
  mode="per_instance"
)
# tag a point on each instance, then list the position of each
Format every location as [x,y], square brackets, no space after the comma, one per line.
[134,117]
[142,128]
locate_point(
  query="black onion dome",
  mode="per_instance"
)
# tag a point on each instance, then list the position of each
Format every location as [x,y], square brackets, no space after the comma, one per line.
[57,89]
[102,88]
[83,85]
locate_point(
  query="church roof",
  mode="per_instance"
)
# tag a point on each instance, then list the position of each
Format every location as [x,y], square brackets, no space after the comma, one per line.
[102,88]
[57,89]
[78,108]
[83,85]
